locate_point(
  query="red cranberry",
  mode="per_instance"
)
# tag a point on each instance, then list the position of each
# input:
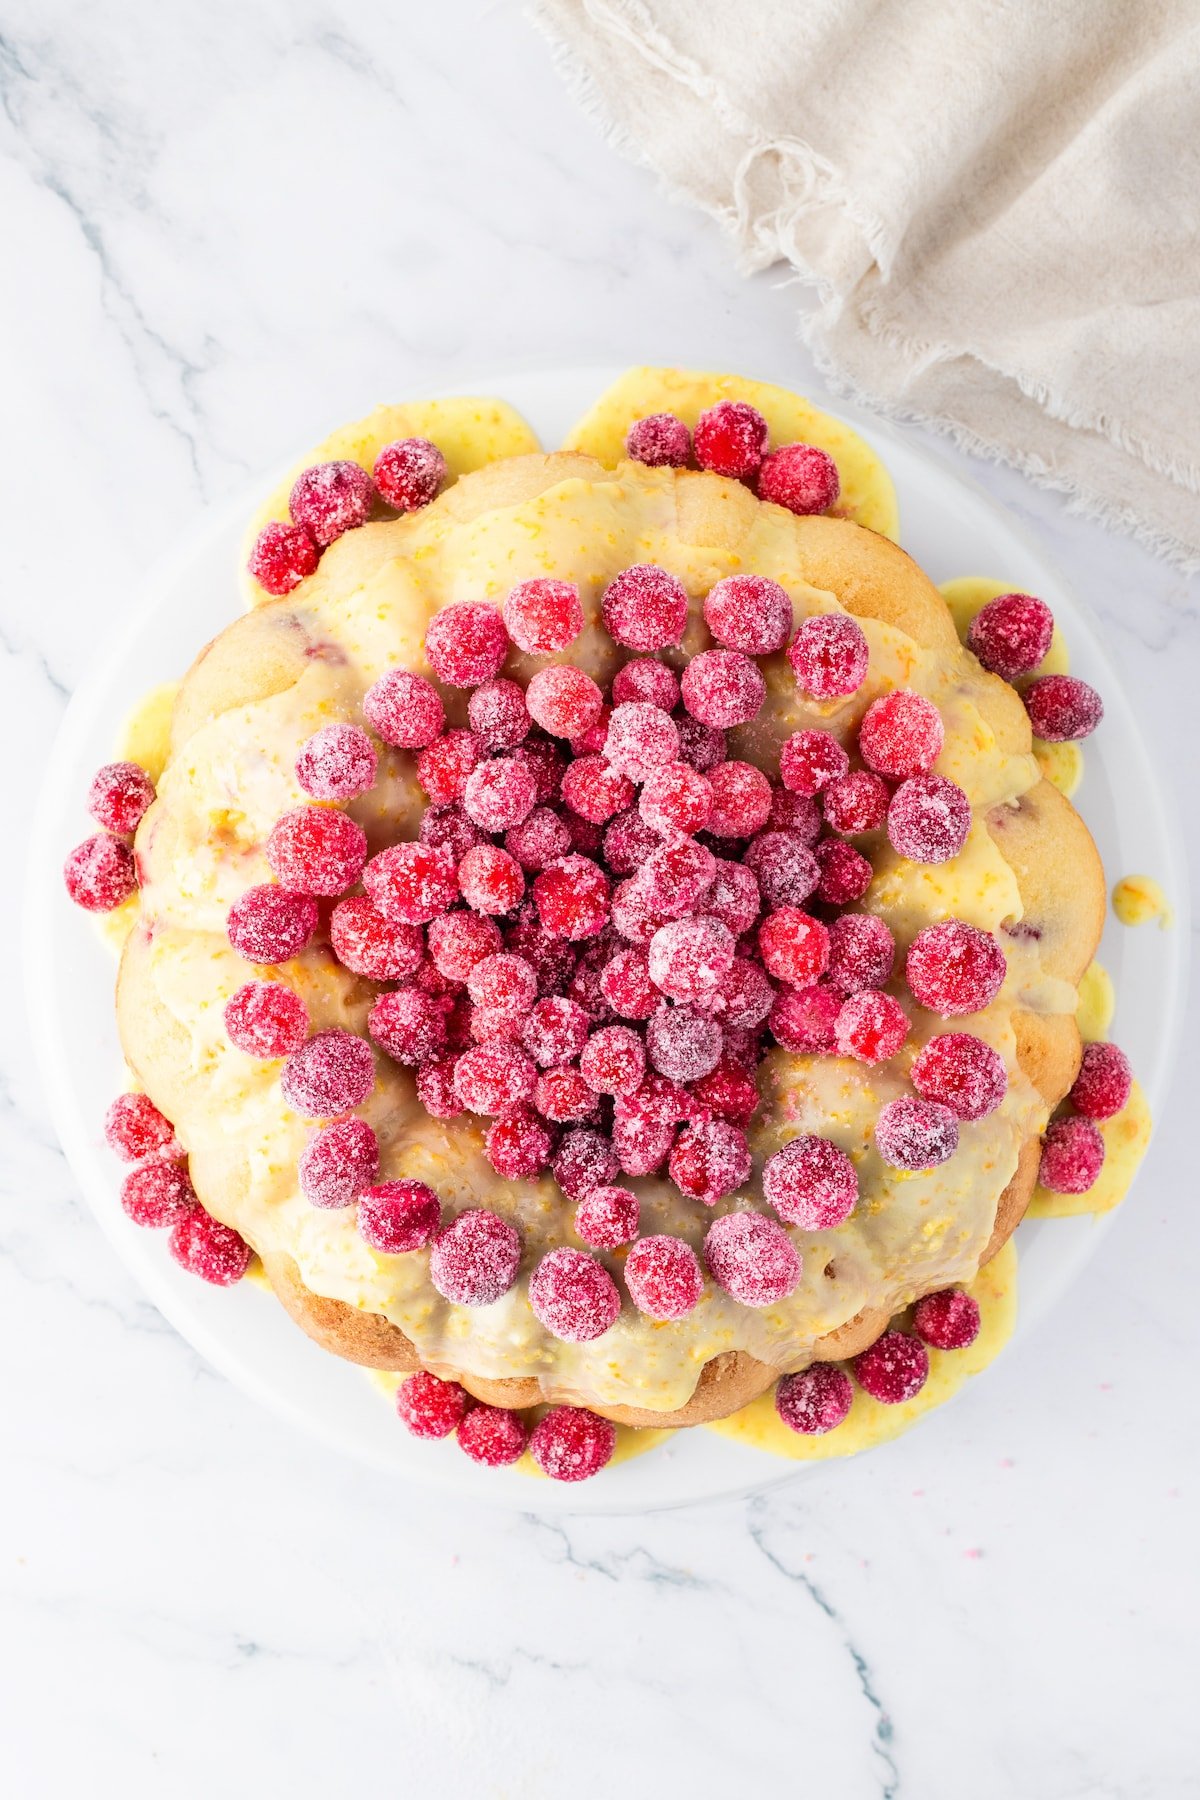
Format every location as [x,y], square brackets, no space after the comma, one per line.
[894,1368]
[745,996]
[561,1094]
[660,440]
[1103,1084]
[787,872]
[810,760]
[709,1160]
[405,710]
[829,656]
[316,850]
[1072,1156]
[493,1436]
[752,1258]
[596,791]
[409,1025]
[412,883]
[474,1260]
[676,800]
[409,473]
[270,925]
[281,558]
[584,1160]
[734,896]
[862,951]
[337,763]
[856,803]
[689,958]
[553,958]
[1062,708]
[158,1192]
[814,1401]
[331,498]
[811,1183]
[731,439]
[493,1077]
[664,1277]
[134,1128]
[100,873]
[572,898]
[555,1031]
[607,1217]
[518,1145]
[645,608]
[265,1018]
[613,1060]
[727,1092]
[489,880]
[794,946]
[723,688]
[398,1216]
[445,826]
[539,840]
[802,1019]
[119,796]
[204,1247]
[675,878]
[332,1073]
[436,1090]
[338,1162]
[466,643]
[641,738]
[503,981]
[1011,634]
[573,1296]
[901,734]
[572,1444]
[626,985]
[961,1072]
[846,873]
[741,800]
[954,967]
[929,819]
[499,793]
[683,1044]
[798,813]
[703,746]
[948,1320]
[543,616]
[915,1134]
[499,717]
[647,680]
[800,477]
[459,941]
[871,1027]
[444,767]
[749,613]
[431,1408]
[563,700]
[640,1141]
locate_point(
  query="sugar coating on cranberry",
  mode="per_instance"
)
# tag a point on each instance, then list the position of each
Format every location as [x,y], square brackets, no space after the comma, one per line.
[929,819]
[444,766]
[709,1160]
[626,984]
[734,896]
[1011,634]
[493,1436]
[205,1247]
[338,1162]
[1072,1156]
[500,793]
[543,616]
[405,709]
[856,803]
[548,762]
[100,873]
[894,1369]
[563,700]
[647,680]
[613,1060]
[458,941]
[786,870]
[703,746]
[752,1258]
[119,796]
[862,951]
[829,656]
[158,1192]
[585,1159]
[430,1407]
[333,1072]
[596,791]
[316,850]
[1062,708]
[676,877]
[741,800]
[474,1260]
[814,1401]
[607,1217]
[660,440]
[555,1031]
[641,738]
[281,558]
[629,840]
[683,1044]
[645,608]
[727,1092]
[562,1094]
[503,981]
[572,898]
[410,1025]
[749,613]
[915,1134]
[134,1128]
[493,1077]
[412,882]
[398,1217]
[466,643]
[723,688]
[845,873]
[499,717]
[953,967]
[901,734]
[572,1444]
[331,498]
[731,439]
[744,997]
[337,763]
[948,1320]
[518,1145]
[871,1027]
[538,840]
[436,1090]
[664,1277]
[689,958]
[811,1183]
[1103,1084]
[573,1295]
[961,1072]
[409,472]
[490,880]
[802,1019]
[676,800]
[810,760]
[266,1019]
[801,477]
[267,924]
[794,946]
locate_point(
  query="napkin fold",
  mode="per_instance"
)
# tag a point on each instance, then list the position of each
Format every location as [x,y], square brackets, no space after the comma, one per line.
[997,203]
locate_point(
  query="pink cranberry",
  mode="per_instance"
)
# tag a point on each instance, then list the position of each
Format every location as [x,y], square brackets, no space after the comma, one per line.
[741,800]
[645,608]
[810,760]
[816,1400]
[915,1134]
[802,1019]
[723,688]
[573,1296]
[337,763]
[409,1025]
[675,878]
[745,996]
[731,439]
[613,1060]
[749,613]
[204,1247]
[683,1044]
[871,1027]
[798,813]
[811,1183]
[489,880]
[689,958]
[493,1077]
[119,797]
[330,499]
[518,1145]
[445,826]
[954,967]
[829,656]
[1072,1156]
[894,1368]
[134,1128]
[265,1018]
[493,1436]
[572,1444]
[857,803]
[1061,708]
[158,1192]
[409,473]
[752,1258]
[538,840]
[641,738]
[411,883]
[794,946]
[474,1260]
[664,1277]
[100,873]
[332,1073]
[607,1217]
[595,790]
[703,746]
[281,558]
[444,767]
[316,850]
[585,1159]
[398,1216]
[734,896]
[647,680]
[503,981]
[1103,1084]
[405,710]
[436,1090]
[563,700]
[555,1031]
[709,1160]
[961,1072]
[676,800]
[459,941]
[561,1094]
[660,440]
[929,819]
[845,873]
[466,643]
[338,1162]
[626,985]
[431,1408]
[787,872]
[948,1320]
[727,1092]
[1011,634]
[498,715]
[499,793]
[901,734]
[543,616]
[270,925]
[572,898]
[547,762]
[800,477]
[862,951]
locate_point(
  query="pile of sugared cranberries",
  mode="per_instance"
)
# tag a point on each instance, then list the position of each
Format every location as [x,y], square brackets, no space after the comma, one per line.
[1073,1148]
[730,439]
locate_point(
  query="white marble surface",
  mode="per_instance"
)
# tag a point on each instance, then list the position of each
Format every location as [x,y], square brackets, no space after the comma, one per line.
[228,225]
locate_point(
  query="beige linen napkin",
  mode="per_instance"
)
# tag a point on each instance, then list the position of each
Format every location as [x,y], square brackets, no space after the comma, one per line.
[996,201]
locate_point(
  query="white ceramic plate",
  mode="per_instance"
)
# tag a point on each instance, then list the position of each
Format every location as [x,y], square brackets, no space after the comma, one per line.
[952,528]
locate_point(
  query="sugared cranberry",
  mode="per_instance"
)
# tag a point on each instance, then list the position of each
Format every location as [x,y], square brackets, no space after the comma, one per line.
[596,791]
[675,878]
[607,1217]
[664,1277]
[734,896]
[641,738]
[894,1368]
[547,762]
[466,643]
[901,734]
[811,1183]
[474,1259]
[954,968]
[794,946]
[683,1044]
[412,882]
[119,796]
[316,850]
[752,1258]
[731,439]
[489,880]
[268,924]
[613,1060]
[436,1090]
[646,679]
[134,1128]
[862,951]
[333,1072]
[798,813]
[801,477]
[204,1247]
[829,656]
[460,940]
[585,1159]
[741,800]
[409,473]
[398,1216]
[493,1436]
[405,709]
[337,763]
[871,1027]
[100,873]
[446,826]
[744,998]
[1011,634]
[857,802]
[338,1162]
[660,440]
[538,840]
[543,616]
[787,872]
[555,1031]
[723,688]
[444,767]
[586,836]
[409,1025]
[281,558]
[572,898]
[949,1320]
[915,1134]
[645,608]
[1062,708]
[503,981]
[626,984]
[709,1160]
[845,873]
[749,613]
[573,1296]
[929,819]
[961,1072]
[431,1408]
[158,1192]
[1072,1156]
[676,800]
[802,1019]
[563,700]
[816,1400]
[265,1018]
[810,760]
[727,1092]
[493,1077]
[518,1145]
[688,958]
[1103,1084]
[572,1444]
[703,746]
[500,793]
[499,717]
[331,498]
[634,914]
[561,1094]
